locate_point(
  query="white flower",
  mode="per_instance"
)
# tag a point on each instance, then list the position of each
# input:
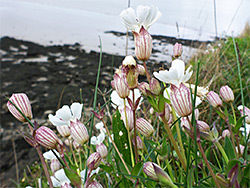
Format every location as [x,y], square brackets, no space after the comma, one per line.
[100,138]
[100,127]
[60,178]
[66,114]
[97,139]
[176,74]
[145,16]
[247,129]
[83,173]
[118,101]
[49,155]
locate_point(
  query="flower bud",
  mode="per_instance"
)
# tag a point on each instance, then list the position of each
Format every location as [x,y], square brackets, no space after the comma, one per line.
[144,127]
[47,138]
[226,94]
[130,119]
[226,133]
[120,87]
[138,142]
[141,69]
[181,100]
[102,149]
[149,170]
[22,102]
[203,126]
[95,184]
[79,132]
[94,160]
[130,72]
[164,178]
[177,50]
[247,113]
[143,44]
[63,130]
[55,165]
[155,86]
[144,88]
[214,99]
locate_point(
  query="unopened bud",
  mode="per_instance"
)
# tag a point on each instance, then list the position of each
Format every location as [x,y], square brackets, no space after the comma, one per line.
[79,132]
[144,88]
[143,44]
[22,102]
[177,50]
[102,149]
[94,161]
[214,99]
[63,130]
[47,138]
[144,127]
[141,69]
[150,171]
[226,94]
[181,100]
[203,126]
[225,133]
[155,86]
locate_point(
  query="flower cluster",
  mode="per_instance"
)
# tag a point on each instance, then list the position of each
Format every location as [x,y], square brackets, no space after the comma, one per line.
[152,134]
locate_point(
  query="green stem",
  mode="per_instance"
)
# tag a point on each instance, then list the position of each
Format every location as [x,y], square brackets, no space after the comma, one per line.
[179,136]
[171,137]
[129,139]
[223,153]
[207,163]
[231,104]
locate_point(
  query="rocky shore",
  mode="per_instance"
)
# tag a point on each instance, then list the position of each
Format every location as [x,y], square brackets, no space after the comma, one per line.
[51,76]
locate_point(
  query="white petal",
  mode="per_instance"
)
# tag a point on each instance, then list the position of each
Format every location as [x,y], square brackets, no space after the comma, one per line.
[128,18]
[49,155]
[56,121]
[76,109]
[99,125]
[93,140]
[188,74]
[101,137]
[61,176]
[55,182]
[116,100]
[64,113]
[179,66]
[82,174]
[147,15]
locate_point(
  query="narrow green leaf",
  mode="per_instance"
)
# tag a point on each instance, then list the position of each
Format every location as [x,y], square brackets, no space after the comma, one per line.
[229,148]
[121,137]
[137,168]
[73,177]
[107,169]
[238,124]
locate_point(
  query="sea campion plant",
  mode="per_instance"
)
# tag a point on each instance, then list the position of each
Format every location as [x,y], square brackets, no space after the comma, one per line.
[133,146]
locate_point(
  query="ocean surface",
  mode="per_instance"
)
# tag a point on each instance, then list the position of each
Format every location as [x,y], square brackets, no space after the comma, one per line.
[51,22]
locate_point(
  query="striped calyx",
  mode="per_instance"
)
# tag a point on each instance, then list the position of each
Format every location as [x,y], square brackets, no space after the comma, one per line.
[22,102]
